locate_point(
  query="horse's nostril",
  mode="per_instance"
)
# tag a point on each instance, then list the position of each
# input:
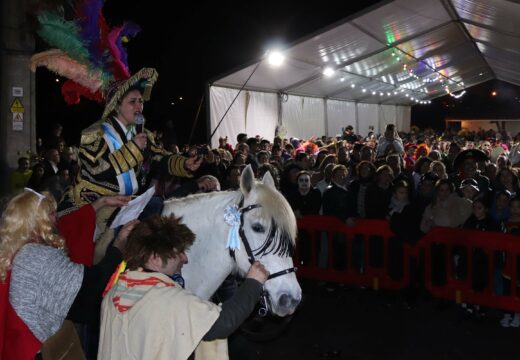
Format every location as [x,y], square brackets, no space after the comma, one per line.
[288,301]
[285,300]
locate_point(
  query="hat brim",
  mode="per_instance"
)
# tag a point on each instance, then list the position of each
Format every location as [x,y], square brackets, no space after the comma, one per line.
[147,76]
[471,186]
[477,155]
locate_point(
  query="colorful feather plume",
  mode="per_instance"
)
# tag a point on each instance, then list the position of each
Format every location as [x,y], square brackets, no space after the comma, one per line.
[87,14]
[91,53]
[72,91]
[113,41]
[60,63]
[62,34]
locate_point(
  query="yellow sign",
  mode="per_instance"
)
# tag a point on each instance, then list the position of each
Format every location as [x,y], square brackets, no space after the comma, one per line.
[16,106]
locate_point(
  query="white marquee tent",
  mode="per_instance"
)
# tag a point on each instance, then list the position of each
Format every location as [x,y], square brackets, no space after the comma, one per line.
[381,62]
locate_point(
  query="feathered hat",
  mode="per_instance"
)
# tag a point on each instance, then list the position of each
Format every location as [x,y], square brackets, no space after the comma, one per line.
[91,55]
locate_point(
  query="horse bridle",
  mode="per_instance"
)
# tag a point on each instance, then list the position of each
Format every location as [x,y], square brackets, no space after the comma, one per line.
[251,257]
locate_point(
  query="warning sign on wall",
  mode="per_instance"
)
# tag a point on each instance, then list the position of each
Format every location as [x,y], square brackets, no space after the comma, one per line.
[17,121]
[17,106]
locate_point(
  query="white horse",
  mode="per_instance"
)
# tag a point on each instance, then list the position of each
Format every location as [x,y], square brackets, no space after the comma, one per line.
[266,222]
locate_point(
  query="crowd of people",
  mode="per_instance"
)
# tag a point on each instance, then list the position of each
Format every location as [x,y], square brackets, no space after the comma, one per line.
[65,272]
[415,180]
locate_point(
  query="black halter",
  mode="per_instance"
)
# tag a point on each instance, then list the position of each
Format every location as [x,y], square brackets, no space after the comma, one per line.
[263,309]
[243,237]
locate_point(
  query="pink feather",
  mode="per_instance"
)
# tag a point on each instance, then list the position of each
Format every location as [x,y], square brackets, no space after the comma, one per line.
[120,69]
[60,63]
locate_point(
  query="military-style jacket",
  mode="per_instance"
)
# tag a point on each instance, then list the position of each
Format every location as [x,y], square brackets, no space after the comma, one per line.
[111,165]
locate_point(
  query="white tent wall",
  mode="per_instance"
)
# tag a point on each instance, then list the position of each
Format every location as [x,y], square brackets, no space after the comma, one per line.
[387,115]
[256,113]
[368,118]
[339,115]
[403,116]
[252,113]
[303,117]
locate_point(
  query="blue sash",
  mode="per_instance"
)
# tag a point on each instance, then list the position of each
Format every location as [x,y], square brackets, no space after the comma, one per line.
[127,180]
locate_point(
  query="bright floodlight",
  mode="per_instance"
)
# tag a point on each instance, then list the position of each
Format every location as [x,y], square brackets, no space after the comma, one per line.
[275,58]
[328,71]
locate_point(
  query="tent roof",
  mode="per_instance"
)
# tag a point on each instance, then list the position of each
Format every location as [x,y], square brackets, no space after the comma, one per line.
[398,50]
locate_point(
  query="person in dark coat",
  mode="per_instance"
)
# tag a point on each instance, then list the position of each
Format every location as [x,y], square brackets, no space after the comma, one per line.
[308,199]
[337,200]
[379,193]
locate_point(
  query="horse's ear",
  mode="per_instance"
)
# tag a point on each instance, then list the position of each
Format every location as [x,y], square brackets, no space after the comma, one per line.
[268,180]
[247,180]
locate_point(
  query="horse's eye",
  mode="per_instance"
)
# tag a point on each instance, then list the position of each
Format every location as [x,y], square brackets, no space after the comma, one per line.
[258,228]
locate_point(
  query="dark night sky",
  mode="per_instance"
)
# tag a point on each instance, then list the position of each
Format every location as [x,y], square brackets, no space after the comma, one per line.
[190,45]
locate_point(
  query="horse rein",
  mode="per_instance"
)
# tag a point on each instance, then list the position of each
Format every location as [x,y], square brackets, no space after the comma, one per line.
[251,257]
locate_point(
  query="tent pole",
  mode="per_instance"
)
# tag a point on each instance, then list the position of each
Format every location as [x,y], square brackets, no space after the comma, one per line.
[356,120]
[232,102]
[325,117]
[196,119]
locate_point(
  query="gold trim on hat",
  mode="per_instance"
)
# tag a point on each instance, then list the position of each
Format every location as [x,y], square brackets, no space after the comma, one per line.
[148,74]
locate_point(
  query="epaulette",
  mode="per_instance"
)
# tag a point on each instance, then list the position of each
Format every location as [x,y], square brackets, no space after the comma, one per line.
[92,133]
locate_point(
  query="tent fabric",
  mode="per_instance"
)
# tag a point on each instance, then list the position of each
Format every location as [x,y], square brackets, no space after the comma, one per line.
[340,114]
[304,117]
[251,113]
[463,42]
[401,52]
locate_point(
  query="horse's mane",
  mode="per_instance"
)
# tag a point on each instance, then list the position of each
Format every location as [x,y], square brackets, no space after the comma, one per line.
[282,233]
[274,207]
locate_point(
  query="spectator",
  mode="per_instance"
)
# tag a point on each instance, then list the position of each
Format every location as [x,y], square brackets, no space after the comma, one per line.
[19,178]
[439,169]
[500,206]
[379,193]
[233,177]
[507,180]
[308,199]
[447,209]
[348,134]
[389,139]
[36,180]
[337,201]
[223,144]
[469,189]
[358,187]
[50,164]
[44,285]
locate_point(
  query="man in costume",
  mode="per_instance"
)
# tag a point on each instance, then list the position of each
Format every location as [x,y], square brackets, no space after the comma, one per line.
[148,315]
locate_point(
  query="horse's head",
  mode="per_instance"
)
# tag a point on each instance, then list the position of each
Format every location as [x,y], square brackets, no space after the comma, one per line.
[269,226]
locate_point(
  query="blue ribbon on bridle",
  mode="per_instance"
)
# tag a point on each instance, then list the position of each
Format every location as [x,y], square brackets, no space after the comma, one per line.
[232,218]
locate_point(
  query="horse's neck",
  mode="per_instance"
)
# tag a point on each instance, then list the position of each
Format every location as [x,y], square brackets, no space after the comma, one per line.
[209,262]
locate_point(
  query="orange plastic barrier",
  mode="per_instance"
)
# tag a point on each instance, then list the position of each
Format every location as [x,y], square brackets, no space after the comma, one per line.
[497,255]
[329,250]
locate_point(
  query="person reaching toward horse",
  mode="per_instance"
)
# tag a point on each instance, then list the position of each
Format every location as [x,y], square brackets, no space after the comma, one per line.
[41,283]
[147,314]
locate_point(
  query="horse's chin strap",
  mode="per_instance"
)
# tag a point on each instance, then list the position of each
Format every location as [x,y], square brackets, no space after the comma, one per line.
[263,310]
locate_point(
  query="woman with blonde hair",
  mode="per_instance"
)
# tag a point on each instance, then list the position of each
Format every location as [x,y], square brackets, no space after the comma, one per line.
[39,284]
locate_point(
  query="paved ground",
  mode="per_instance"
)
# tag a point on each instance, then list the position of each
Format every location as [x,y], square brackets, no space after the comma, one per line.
[360,324]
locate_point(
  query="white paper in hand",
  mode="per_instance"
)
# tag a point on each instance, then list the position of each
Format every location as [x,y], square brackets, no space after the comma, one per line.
[133,209]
